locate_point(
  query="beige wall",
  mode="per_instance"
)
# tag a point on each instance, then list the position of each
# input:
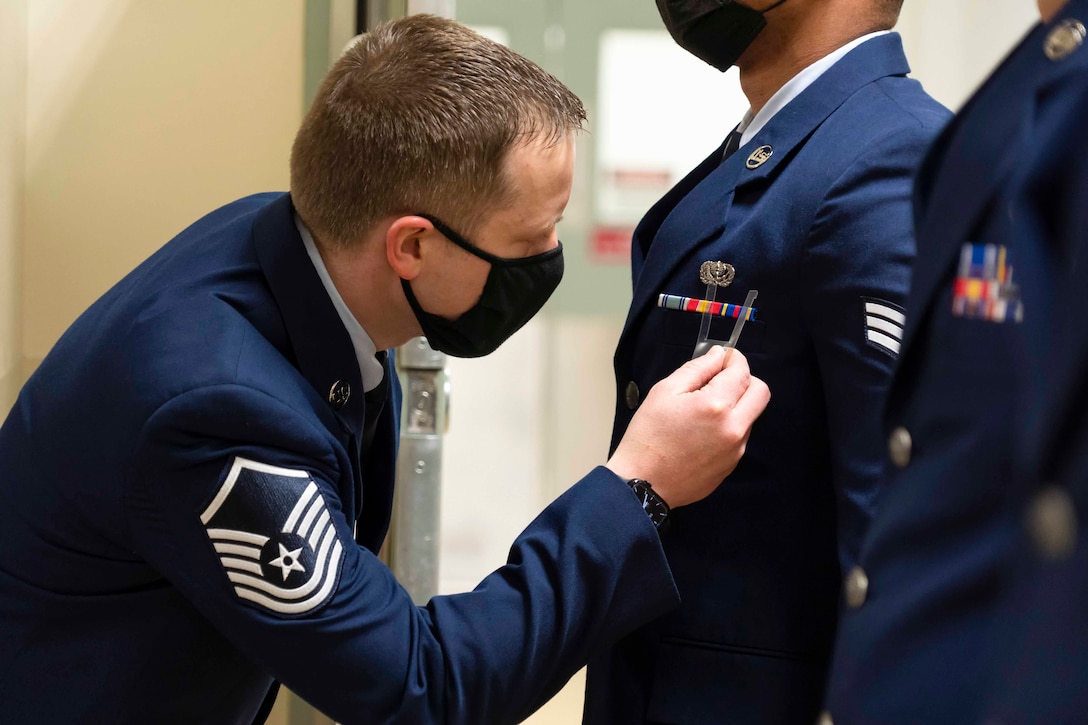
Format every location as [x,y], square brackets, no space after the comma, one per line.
[953,45]
[142,115]
[12,125]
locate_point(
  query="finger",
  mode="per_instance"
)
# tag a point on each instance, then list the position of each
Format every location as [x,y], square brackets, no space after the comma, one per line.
[753,402]
[731,382]
[734,357]
[694,374]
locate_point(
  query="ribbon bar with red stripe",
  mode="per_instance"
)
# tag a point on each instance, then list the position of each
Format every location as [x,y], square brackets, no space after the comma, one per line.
[690,304]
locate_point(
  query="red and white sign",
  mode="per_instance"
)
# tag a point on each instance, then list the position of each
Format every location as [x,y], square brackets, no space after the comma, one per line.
[610,245]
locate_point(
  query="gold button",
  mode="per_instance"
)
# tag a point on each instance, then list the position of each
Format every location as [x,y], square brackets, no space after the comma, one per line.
[857,587]
[1052,522]
[1066,37]
[339,394]
[632,395]
[825,719]
[900,446]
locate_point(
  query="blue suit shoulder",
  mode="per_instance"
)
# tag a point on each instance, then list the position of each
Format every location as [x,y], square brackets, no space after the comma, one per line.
[894,112]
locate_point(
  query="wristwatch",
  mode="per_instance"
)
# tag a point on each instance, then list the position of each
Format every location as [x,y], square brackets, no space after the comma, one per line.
[654,506]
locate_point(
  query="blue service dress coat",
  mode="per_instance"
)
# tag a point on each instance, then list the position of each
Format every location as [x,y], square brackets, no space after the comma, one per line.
[822,230]
[181,488]
[968,605]
[1042,621]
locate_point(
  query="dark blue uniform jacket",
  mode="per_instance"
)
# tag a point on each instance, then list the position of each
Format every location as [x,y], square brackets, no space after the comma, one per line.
[179,503]
[970,614]
[822,230]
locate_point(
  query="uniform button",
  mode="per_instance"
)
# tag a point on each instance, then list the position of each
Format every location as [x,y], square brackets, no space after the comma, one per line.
[339,394]
[632,395]
[857,587]
[1052,521]
[1064,39]
[825,719]
[900,446]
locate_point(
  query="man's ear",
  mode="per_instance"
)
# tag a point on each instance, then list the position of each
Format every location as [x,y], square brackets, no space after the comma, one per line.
[403,245]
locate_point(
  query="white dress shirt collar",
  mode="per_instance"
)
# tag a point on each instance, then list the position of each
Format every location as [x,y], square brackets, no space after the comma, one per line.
[750,125]
[369,367]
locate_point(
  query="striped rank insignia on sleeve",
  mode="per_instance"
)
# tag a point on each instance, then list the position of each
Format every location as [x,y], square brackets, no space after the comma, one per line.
[884,323]
[274,537]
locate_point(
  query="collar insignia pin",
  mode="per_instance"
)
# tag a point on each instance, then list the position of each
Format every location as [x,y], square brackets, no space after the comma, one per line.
[1064,39]
[760,156]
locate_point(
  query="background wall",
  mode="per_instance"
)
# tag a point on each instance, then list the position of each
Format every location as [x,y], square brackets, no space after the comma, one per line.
[953,45]
[12,145]
[140,117]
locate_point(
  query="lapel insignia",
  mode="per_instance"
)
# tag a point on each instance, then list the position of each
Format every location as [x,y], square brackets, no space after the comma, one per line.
[274,536]
[984,288]
[884,322]
[719,274]
[339,394]
[1066,37]
[759,157]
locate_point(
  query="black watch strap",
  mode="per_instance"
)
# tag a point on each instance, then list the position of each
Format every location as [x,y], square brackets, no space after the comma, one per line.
[654,506]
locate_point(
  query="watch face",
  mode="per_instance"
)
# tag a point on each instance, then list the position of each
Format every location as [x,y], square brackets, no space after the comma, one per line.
[655,508]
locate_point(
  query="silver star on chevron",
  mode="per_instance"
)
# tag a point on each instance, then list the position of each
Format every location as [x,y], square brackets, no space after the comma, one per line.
[288,561]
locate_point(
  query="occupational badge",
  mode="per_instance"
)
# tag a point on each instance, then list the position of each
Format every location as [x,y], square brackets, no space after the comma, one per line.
[718,274]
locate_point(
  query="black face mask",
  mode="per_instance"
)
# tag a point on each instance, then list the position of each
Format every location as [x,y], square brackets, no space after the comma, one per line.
[515,290]
[716,31]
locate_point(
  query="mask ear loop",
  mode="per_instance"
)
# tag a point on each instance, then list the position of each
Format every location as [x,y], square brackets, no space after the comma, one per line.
[493,259]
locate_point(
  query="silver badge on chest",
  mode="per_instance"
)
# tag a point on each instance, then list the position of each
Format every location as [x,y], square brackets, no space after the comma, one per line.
[719,274]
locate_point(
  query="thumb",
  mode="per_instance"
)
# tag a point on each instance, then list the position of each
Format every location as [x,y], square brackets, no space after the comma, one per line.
[695,374]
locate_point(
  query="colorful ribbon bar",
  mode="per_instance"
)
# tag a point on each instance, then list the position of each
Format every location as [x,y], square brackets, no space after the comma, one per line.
[984,289]
[690,304]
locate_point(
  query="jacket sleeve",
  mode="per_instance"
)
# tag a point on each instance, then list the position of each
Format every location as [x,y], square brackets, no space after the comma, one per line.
[854,281]
[587,570]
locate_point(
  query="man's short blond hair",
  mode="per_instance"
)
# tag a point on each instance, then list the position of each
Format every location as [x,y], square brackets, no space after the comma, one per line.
[419,116]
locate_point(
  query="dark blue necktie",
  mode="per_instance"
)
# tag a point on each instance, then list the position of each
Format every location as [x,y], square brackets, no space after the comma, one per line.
[375,402]
[732,143]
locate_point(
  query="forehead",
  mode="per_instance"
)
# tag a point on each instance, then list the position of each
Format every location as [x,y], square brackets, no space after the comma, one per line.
[540,175]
